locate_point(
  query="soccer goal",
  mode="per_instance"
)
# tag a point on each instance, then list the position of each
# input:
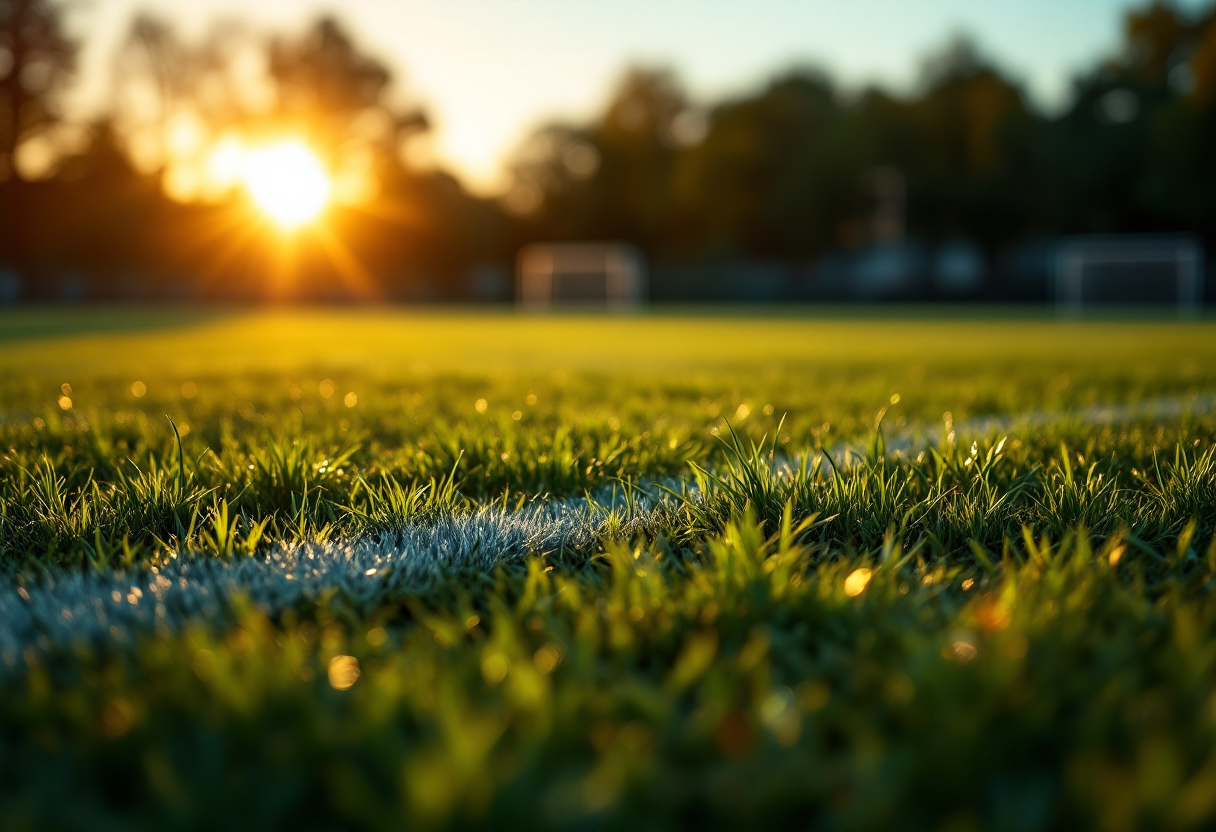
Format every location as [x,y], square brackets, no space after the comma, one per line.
[1130,271]
[611,275]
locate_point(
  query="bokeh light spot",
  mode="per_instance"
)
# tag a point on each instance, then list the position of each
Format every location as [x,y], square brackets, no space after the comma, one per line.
[857,581]
[343,672]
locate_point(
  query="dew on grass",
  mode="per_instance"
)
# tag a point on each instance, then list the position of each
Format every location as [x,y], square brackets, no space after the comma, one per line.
[546,659]
[343,672]
[964,650]
[857,582]
[494,667]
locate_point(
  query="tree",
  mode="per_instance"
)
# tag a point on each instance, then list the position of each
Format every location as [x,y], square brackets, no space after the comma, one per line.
[766,180]
[610,178]
[1156,40]
[327,86]
[973,131]
[36,57]
[155,76]
[1203,64]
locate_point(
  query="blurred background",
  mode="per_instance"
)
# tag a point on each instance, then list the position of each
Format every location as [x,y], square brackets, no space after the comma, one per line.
[608,153]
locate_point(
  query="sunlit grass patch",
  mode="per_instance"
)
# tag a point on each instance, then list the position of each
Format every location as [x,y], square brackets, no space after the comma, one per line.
[451,572]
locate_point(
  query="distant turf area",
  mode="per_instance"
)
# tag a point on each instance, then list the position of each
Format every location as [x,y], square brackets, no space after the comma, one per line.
[357,569]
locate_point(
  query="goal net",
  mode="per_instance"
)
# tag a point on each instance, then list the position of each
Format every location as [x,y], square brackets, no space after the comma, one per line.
[581,274]
[1130,271]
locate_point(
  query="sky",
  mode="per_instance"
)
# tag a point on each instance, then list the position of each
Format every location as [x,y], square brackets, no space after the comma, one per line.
[490,71]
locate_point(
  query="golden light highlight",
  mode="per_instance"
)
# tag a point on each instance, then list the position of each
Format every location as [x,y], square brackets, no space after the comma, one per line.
[857,582]
[287,182]
[343,672]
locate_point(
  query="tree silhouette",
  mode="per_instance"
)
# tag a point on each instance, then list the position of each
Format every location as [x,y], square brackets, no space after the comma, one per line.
[791,174]
[611,178]
[155,78]
[36,57]
[326,85]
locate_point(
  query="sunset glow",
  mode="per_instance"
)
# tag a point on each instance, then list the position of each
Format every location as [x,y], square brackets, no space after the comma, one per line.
[287,182]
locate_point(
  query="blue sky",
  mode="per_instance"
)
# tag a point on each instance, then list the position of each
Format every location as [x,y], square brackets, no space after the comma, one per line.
[490,70]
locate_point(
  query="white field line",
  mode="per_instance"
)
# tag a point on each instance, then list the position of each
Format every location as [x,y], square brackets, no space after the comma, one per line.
[113,608]
[900,444]
[1172,407]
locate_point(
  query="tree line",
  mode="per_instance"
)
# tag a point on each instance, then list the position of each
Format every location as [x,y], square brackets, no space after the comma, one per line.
[798,169]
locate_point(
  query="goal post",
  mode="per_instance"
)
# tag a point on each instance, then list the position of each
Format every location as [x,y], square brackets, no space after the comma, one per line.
[1130,271]
[611,275]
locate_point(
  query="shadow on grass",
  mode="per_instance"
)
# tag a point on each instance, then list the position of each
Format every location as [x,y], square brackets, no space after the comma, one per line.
[27,323]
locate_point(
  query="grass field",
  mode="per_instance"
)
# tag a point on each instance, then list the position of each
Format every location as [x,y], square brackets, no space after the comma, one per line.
[376,570]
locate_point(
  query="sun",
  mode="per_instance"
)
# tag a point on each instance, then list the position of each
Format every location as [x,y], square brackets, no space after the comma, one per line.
[288,182]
